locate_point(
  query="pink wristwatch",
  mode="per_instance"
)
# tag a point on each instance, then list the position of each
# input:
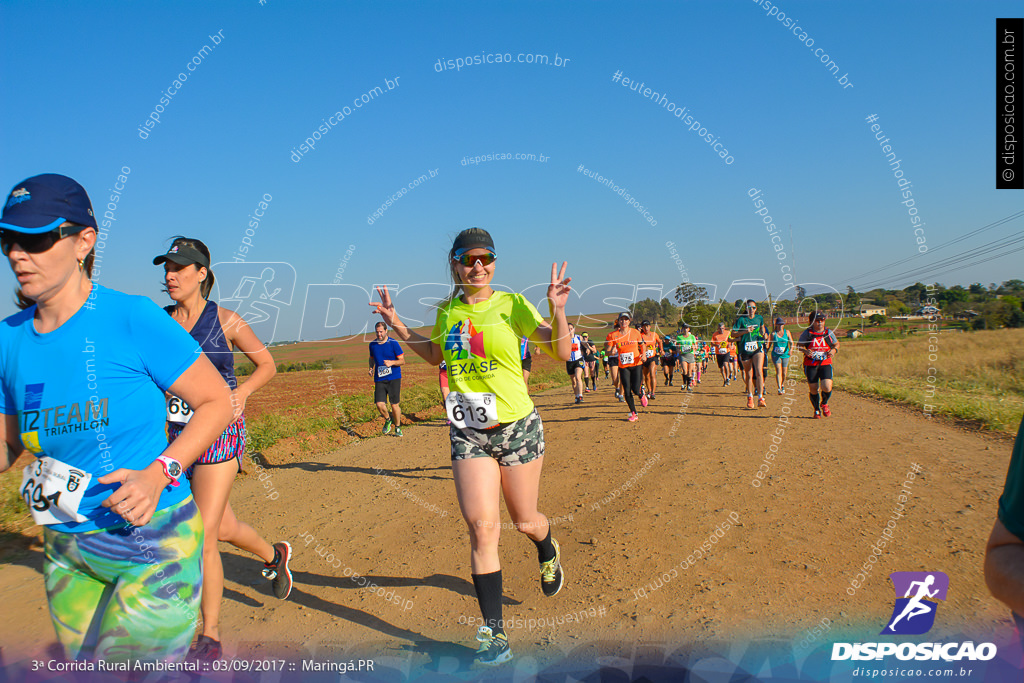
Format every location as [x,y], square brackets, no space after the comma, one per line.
[172,469]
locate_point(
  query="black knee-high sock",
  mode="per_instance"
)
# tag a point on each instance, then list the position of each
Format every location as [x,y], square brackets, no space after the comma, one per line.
[545,549]
[488,594]
[814,401]
[686,378]
[825,396]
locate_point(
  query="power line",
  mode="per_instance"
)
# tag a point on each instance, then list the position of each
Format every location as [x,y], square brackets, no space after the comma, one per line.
[989,226]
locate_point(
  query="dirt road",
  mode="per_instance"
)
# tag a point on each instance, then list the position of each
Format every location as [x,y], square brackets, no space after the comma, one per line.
[630,503]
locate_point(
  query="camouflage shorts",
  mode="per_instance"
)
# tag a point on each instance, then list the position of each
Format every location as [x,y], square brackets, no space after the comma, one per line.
[515,443]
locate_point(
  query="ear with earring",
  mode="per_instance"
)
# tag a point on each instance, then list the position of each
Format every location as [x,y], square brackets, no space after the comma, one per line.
[81,264]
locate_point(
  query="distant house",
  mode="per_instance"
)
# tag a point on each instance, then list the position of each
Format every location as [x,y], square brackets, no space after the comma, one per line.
[966,315]
[868,310]
[926,311]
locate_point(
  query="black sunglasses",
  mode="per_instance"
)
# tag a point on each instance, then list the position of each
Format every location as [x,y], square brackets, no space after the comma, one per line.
[36,243]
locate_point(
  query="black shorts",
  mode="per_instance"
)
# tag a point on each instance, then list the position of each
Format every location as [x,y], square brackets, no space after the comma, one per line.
[613,361]
[668,361]
[648,362]
[528,363]
[722,359]
[390,390]
[571,365]
[816,373]
[750,356]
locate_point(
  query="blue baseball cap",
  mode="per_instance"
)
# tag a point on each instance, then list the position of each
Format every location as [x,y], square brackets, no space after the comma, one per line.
[42,203]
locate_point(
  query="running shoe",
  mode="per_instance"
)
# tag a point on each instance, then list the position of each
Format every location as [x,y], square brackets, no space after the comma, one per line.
[725,383]
[698,381]
[277,570]
[206,649]
[760,402]
[387,426]
[782,392]
[643,400]
[398,431]
[551,573]
[632,417]
[825,411]
[619,396]
[586,390]
[817,414]
[651,396]
[750,401]
[493,649]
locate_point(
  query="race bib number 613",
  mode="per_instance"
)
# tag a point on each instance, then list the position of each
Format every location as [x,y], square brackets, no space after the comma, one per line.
[472,409]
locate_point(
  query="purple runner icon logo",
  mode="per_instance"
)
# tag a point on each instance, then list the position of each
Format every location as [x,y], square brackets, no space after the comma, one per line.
[914,612]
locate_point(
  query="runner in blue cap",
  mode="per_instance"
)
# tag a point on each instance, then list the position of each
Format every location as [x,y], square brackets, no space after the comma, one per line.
[83,391]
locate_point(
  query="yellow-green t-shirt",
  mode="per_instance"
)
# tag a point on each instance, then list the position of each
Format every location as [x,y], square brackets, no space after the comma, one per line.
[481,348]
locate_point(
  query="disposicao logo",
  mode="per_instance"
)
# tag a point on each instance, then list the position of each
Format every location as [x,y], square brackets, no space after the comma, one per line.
[18,196]
[916,604]
[914,613]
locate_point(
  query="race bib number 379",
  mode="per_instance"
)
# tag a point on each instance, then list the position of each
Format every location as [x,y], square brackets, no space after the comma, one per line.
[472,409]
[53,491]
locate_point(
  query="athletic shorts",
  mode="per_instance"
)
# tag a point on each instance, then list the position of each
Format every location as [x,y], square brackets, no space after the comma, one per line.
[750,356]
[648,362]
[687,358]
[817,373]
[528,363]
[781,359]
[668,361]
[571,365]
[722,359]
[613,361]
[229,445]
[125,594]
[513,443]
[390,390]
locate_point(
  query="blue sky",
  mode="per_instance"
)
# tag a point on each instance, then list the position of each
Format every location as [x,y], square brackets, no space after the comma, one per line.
[82,78]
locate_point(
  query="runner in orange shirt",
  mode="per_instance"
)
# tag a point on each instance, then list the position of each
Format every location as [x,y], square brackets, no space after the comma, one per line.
[652,353]
[720,339]
[613,359]
[734,362]
[631,350]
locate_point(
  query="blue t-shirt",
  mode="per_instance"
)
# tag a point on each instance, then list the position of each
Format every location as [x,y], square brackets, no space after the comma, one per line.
[389,350]
[91,393]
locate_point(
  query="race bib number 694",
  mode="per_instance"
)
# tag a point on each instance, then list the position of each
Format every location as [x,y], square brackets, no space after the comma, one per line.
[53,491]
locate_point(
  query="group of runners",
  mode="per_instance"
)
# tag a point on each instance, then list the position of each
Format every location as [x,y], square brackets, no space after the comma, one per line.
[135,421]
[630,356]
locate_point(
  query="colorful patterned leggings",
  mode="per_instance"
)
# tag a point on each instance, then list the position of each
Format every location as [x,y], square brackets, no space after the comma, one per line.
[127,593]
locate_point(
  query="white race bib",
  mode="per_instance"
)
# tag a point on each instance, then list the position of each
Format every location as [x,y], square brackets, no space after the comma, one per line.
[750,346]
[649,353]
[472,409]
[819,355]
[685,348]
[53,491]
[383,370]
[722,351]
[178,411]
[626,358]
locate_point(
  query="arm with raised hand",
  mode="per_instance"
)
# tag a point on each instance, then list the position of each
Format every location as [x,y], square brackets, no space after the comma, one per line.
[421,346]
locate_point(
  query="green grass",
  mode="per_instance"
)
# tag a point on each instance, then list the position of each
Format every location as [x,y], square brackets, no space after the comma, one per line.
[341,412]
